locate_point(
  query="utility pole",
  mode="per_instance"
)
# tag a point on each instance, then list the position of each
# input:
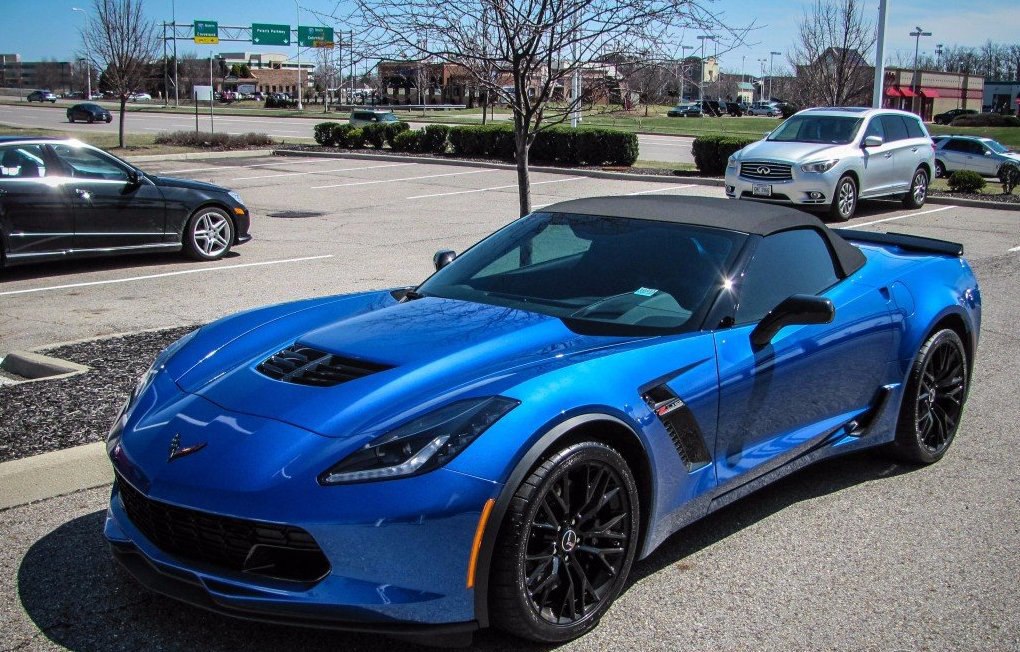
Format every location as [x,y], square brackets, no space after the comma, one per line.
[297,11]
[701,79]
[917,34]
[88,56]
[876,89]
[772,71]
[683,69]
[173,31]
[761,80]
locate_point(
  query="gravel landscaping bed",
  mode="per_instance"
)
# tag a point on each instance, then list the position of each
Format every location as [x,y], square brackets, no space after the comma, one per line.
[44,416]
[991,199]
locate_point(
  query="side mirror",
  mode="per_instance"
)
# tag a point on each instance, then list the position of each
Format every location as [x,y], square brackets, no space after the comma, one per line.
[799,309]
[443,257]
[873,141]
[133,177]
[766,135]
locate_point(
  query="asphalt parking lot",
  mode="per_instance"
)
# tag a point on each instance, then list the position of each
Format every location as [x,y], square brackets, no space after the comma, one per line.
[852,554]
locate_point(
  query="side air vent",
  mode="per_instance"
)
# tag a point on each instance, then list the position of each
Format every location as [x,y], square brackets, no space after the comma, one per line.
[681,425]
[307,366]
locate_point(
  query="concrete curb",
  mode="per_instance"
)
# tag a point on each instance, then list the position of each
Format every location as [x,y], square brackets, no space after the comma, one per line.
[49,475]
[197,156]
[36,366]
[597,174]
[973,203]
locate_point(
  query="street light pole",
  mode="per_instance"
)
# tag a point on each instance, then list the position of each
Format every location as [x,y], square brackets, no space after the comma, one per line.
[701,78]
[761,93]
[173,31]
[772,71]
[297,12]
[917,34]
[683,66]
[88,57]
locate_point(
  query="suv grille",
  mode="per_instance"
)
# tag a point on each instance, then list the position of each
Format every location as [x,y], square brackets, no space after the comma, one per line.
[278,551]
[306,366]
[764,171]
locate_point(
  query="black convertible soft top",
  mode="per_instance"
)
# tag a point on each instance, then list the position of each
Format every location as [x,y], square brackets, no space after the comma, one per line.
[753,218]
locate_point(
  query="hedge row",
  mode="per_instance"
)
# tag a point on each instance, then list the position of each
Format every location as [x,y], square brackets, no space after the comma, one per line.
[588,146]
[712,152]
[986,120]
[218,140]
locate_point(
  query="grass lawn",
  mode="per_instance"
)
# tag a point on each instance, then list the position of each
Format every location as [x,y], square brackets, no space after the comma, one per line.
[135,144]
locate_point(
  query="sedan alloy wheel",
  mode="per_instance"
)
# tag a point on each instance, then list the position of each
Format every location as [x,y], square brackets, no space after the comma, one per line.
[209,235]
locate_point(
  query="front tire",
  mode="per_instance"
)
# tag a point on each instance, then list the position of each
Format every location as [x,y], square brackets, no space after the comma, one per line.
[209,234]
[940,170]
[933,399]
[844,199]
[566,544]
[91,119]
[918,190]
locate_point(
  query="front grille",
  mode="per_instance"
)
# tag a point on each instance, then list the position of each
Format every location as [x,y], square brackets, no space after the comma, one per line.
[277,551]
[765,171]
[307,366]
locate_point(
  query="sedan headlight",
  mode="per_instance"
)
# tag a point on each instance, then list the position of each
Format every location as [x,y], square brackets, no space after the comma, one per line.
[422,444]
[236,197]
[820,166]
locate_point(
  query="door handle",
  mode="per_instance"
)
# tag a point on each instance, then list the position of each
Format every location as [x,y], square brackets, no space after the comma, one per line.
[887,155]
[913,149]
[2,192]
[83,195]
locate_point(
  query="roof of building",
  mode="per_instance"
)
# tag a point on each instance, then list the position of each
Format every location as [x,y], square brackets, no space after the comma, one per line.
[743,216]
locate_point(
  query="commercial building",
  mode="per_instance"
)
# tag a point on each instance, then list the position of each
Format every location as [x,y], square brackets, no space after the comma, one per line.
[928,92]
[1002,97]
[29,75]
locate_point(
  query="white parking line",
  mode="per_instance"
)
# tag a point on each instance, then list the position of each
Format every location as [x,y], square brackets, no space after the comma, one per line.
[256,165]
[901,217]
[295,174]
[1013,249]
[512,185]
[648,192]
[427,176]
[151,276]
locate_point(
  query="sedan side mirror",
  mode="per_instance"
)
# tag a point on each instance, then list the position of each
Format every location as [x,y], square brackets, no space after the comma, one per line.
[443,257]
[133,177]
[799,309]
[873,141]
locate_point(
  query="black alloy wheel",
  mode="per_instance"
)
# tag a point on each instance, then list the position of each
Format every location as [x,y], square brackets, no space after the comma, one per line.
[566,546]
[933,401]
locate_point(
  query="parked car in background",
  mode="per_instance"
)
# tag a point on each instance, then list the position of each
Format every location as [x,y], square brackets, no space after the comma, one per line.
[828,158]
[42,96]
[982,155]
[688,110]
[950,115]
[769,109]
[89,113]
[139,97]
[735,109]
[61,199]
[362,118]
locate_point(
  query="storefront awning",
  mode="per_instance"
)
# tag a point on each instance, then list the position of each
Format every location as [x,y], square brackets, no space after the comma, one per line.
[908,93]
[892,91]
[929,92]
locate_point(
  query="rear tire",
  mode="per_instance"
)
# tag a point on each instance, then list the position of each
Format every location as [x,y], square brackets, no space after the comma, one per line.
[933,399]
[209,234]
[91,119]
[918,190]
[844,199]
[566,545]
[940,170]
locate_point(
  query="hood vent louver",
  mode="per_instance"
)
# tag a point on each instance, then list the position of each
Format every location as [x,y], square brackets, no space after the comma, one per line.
[307,366]
[681,425]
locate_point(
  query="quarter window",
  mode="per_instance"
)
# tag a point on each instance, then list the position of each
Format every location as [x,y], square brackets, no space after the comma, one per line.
[787,263]
[914,128]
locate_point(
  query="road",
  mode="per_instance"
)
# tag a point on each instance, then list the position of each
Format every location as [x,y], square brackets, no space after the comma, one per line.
[669,149]
[856,553]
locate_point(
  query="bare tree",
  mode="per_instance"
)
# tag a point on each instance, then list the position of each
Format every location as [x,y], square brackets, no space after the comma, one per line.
[121,42]
[525,52]
[829,55]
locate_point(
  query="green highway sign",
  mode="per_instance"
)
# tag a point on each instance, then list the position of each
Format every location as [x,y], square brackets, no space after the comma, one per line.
[207,32]
[267,34]
[315,37]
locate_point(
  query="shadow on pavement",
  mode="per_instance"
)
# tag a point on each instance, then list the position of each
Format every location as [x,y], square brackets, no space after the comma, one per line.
[79,598]
[143,264]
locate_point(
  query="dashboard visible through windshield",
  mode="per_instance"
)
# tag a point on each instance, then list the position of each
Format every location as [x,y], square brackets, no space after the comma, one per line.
[831,129]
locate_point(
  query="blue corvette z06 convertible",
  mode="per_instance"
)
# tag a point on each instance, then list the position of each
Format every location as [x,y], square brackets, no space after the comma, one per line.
[499,444]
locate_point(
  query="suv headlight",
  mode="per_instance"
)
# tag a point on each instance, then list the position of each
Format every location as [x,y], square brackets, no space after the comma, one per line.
[422,444]
[731,162]
[820,166]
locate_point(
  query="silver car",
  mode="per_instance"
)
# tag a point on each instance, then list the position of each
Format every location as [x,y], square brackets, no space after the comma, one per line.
[361,118]
[982,155]
[829,158]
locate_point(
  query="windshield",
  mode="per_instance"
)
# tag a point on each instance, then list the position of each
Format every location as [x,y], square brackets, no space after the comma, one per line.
[630,276]
[834,129]
[996,147]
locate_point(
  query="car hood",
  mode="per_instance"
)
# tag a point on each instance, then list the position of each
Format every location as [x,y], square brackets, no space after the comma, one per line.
[173,182]
[430,351]
[787,151]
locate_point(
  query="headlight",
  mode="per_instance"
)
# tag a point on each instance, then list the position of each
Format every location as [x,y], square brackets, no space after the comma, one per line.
[731,162]
[156,366]
[421,444]
[236,197]
[819,166]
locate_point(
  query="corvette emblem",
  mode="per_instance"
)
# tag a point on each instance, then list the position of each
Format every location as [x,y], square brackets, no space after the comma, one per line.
[177,452]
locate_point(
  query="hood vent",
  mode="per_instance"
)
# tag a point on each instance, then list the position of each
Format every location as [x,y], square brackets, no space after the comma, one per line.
[307,366]
[681,425]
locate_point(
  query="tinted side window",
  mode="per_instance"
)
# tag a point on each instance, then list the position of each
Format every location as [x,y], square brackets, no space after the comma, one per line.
[914,129]
[893,127]
[89,164]
[956,145]
[791,262]
[22,162]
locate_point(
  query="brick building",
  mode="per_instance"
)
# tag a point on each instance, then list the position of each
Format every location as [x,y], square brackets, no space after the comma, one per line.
[929,92]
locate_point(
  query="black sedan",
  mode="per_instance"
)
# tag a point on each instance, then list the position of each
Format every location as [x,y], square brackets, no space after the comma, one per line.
[89,113]
[61,198]
[950,115]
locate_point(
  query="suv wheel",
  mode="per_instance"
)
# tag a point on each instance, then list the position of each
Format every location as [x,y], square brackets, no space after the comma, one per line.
[940,170]
[844,200]
[918,190]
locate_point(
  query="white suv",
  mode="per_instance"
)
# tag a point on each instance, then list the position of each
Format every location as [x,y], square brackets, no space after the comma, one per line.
[830,157]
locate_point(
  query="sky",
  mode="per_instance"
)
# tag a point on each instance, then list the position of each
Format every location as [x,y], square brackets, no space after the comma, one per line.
[48,28]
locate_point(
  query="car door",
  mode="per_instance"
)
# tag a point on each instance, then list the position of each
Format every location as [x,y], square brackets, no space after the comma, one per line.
[987,161]
[957,154]
[879,164]
[36,218]
[114,207]
[778,401]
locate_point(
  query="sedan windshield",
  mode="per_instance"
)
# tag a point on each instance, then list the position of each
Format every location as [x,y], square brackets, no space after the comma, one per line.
[833,129]
[626,276]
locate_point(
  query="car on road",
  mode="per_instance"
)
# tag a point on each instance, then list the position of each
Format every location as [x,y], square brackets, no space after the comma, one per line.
[499,444]
[769,109]
[686,110]
[61,198]
[950,115]
[361,118]
[139,97]
[829,158]
[88,112]
[42,96]
[974,153]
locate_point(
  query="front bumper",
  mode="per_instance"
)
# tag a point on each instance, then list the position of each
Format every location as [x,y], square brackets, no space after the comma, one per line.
[804,189]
